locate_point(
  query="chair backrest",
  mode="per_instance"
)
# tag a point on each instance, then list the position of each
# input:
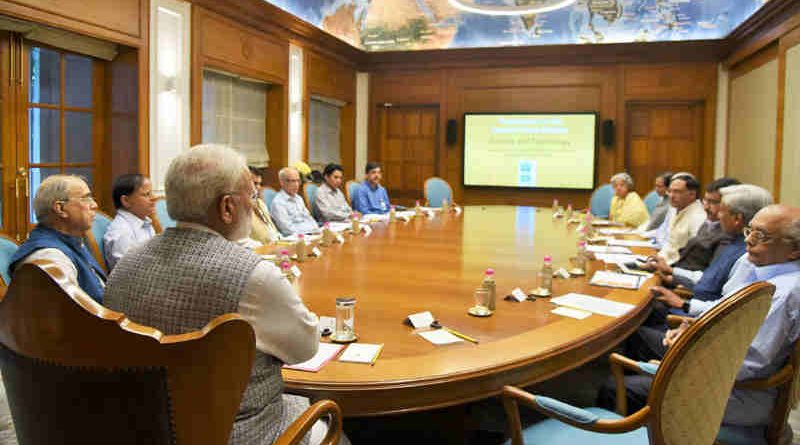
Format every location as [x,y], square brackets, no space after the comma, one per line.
[695,379]
[651,201]
[310,192]
[95,238]
[269,194]
[600,204]
[76,372]
[164,220]
[436,190]
[788,397]
[8,247]
[350,189]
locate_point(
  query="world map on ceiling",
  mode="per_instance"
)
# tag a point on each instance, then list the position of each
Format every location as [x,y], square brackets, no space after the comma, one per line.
[399,25]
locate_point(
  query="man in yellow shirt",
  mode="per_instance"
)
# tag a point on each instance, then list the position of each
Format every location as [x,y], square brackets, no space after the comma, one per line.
[626,205]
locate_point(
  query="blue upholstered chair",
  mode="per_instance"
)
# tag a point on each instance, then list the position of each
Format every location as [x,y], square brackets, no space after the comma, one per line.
[600,204]
[651,201]
[7,249]
[161,213]
[310,192]
[95,237]
[679,410]
[437,190]
[350,189]
[268,194]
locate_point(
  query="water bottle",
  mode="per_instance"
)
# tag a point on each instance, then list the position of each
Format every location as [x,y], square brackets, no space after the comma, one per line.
[581,257]
[300,248]
[392,214]
[547,275]
[490,285]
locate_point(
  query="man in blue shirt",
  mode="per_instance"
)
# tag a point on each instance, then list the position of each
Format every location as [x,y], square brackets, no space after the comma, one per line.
[773,255]
[371,197]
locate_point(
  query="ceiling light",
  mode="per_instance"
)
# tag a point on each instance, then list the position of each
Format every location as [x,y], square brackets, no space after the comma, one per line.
[544,6]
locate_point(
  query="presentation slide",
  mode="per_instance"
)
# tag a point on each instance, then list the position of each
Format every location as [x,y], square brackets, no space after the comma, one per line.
[530,150]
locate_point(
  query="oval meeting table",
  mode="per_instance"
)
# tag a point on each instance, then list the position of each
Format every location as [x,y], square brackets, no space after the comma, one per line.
[434,265]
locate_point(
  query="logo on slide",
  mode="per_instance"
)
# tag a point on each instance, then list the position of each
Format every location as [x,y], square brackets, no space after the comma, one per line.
[526,176]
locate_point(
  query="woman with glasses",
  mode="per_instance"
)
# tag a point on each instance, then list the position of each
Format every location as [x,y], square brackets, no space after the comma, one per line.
[134,201]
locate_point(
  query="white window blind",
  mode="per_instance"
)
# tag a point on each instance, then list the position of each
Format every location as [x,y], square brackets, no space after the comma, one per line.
[323,133]
[235,114]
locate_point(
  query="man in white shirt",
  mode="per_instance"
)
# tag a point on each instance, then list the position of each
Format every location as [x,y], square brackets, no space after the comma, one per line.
[689,215]
[288,209]
[134,201]
[186,277]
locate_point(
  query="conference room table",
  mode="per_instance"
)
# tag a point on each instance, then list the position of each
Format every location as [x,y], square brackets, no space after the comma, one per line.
[435,264]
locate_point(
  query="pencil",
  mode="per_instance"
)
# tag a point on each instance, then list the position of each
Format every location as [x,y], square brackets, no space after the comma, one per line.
[460,335]
[375,358]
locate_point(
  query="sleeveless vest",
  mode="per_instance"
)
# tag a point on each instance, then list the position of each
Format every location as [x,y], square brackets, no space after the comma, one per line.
[178,282]
[90,274]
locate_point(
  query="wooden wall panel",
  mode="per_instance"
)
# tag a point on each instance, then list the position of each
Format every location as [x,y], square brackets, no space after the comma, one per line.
[118,20]
[789,130]
[604,89]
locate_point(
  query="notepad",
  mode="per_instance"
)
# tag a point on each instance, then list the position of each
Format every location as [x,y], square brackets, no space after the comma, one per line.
[614,279]
[570,312]
[615,258]
[631,243]
[361,353]
[615,231]
[608,249]
[593,304]
[440,337]
[325,353]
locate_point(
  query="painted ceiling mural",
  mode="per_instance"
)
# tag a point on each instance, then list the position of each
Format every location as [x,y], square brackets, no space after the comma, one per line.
[387,25]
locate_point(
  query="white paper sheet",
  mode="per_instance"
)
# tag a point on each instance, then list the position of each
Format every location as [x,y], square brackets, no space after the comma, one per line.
[614,279]
[593,304]
[440,337]
[570,312]
[360,353]
[325,352]
[339,227]
[631,243]
[421,319]
[615,258]
[615,231]
[608,249]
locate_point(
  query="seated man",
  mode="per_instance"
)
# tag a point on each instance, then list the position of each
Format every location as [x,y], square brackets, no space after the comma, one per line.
[773,255]
[660,211]
[626,206]
[371,197]
[195,272]
[64,209]
[330,203]
[689,215]
[288,209]
[263,229]
[702,248]
[134,201]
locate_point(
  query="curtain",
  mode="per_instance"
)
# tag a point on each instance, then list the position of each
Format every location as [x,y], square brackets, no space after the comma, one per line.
[323,134]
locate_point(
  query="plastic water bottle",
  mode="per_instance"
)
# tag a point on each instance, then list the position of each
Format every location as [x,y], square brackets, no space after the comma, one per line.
[356,225]
[392,214]
[417,209]
[300,248]
[555,206]
[547,274]
[283,257]
[569,211]
[581,257]
[286,269]
[327,234]
[489,284]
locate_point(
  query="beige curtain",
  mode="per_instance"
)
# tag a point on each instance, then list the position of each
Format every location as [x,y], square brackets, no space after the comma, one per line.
[323,133]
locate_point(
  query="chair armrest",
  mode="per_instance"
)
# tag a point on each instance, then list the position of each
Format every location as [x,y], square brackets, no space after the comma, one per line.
[566,413]
[784,375]
[300,427]
[673,321]
[618,362]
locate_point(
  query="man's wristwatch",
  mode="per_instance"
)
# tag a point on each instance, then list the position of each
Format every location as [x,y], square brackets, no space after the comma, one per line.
[686,306]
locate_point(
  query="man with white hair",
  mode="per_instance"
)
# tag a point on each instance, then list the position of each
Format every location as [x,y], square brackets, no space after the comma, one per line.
[65,210]
[773,255]
[288,209]
[179,281]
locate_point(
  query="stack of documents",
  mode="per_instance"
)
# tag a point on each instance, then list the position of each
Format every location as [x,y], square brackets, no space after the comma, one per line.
[324,354]
[608,249]
[615,231]
[592,304]
[631,243]
[614,279]
[361,353]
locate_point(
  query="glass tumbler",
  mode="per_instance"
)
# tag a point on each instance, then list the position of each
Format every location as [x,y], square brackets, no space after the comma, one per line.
[345,319]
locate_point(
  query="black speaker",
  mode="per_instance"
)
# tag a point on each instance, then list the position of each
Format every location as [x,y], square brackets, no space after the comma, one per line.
[608,133]
[451,136]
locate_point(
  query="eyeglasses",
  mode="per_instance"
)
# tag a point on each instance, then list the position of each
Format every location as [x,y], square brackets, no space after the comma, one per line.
[712,201]
[83,199]
[759,236]
[253,194]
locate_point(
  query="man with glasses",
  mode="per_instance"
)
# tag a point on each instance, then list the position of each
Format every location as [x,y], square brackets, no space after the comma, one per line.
[132,226]
[773,254]
[263,229]
[65,210]
[689,215]
[288,209]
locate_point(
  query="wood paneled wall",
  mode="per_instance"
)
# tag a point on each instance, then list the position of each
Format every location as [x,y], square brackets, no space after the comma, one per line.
[760,77]
[602,88]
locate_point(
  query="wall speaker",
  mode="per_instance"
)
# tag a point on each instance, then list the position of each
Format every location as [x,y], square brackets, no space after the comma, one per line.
[608,133]
[451,136]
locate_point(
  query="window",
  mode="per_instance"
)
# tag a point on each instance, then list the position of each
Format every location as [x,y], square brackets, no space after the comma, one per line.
[323,133]
[61,117]
[235,114]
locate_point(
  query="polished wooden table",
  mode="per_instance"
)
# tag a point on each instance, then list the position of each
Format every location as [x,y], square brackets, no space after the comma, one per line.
[434,265]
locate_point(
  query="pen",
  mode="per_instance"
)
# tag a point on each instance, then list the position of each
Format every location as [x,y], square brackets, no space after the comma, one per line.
[380,348]
[460,335]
